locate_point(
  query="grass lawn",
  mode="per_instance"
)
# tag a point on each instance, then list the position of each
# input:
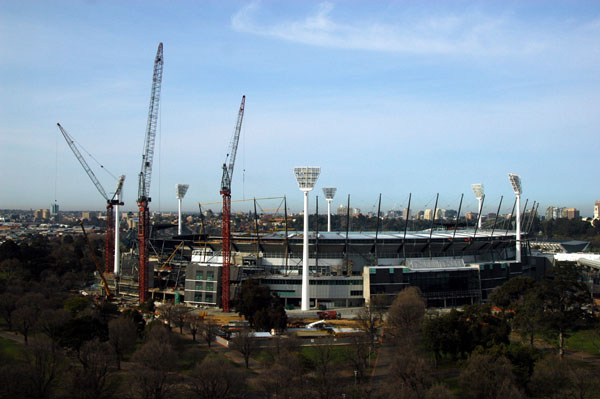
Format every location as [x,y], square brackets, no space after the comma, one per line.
[584,341]
[11,348]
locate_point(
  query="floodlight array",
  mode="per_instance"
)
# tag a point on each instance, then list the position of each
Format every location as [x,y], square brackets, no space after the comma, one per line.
[477,190]
[329,192]
[181,189]
[515,181]
[307,176]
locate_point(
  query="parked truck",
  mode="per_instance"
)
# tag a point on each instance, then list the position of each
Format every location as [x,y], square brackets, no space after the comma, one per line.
[328,315]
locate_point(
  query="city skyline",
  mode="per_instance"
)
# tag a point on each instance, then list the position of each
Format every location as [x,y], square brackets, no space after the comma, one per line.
[392,98]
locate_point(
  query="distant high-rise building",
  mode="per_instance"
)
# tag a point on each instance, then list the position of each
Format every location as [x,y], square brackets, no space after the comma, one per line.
[406,214]
[597,210]
[428,214]
[471,216]
[571,213]
[54,209]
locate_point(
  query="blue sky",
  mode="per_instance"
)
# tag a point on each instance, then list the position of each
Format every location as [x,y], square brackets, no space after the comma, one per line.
[392,97]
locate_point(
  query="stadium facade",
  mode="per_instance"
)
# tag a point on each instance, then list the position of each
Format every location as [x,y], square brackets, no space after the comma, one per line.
[451,267]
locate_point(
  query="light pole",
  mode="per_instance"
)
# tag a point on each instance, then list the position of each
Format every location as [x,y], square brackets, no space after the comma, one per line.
[329,194]
[515,181]
[478,191]
[180,190]
[306,176]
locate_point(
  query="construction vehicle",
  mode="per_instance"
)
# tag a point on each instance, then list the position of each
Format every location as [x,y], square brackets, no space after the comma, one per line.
[98,268]
[226,193]
[145,177]
[111,245]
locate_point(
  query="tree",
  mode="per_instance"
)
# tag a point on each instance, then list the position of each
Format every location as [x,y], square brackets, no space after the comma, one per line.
[216,378]
[8,304]
[194,324]
[283,379]
[370,319]
[52,321]
[262,310]
[567,303]
[154,362]
[510,293]
[92,380]
[486,377]
[26,315]
[121,336]
[208,330]
[409,374]
[45,364]
[358,354]
[246,343]
[324,379]
[406,316]
[179,316]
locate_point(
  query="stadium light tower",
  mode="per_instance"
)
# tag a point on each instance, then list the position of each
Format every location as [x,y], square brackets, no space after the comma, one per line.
[329,194]
[180,190]
[306,176]
[515,181]
[478,191]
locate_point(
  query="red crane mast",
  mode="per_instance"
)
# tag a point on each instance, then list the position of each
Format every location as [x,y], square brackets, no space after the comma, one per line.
[226,193]
[145,177]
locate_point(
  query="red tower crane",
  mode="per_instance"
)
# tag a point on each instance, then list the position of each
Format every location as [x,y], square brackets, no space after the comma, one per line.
[145,177]
[109,250]
[226,193]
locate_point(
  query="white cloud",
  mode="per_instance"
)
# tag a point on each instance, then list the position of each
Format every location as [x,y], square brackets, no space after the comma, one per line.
[459,33]
[453,34]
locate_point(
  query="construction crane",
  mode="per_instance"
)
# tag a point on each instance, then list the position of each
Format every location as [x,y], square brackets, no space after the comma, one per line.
[104,283]
[110,261]
[145,177]
[226,193]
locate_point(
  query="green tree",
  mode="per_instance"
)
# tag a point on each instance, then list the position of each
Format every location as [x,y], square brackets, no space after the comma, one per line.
[567,303]
[262,310]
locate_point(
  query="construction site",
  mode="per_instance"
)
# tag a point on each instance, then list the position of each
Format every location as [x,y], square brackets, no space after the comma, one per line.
[322,268]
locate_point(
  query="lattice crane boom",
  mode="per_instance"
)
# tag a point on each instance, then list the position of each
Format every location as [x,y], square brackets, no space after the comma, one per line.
[83,163]
[226,193]
[109,254]
[145,176]
[228,168]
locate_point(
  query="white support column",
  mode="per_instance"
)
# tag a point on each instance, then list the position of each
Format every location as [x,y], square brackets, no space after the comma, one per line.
[328,215]
[179,217]
[305,285]
[518,228]
[480,199]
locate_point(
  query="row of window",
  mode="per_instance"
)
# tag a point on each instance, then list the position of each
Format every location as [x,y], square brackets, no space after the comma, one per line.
[200,275]
[208,297]
[311,282]
[199,286]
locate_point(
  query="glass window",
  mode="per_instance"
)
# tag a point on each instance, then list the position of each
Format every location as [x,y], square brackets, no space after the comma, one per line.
[198,286]
[199,275]
[197,297]
[210,275]
[210,286]
[208,297]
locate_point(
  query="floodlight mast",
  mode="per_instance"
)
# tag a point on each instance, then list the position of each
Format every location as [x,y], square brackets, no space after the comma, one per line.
[306,176]
[180,190]
[478,191]
[515,181]
[329,194]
